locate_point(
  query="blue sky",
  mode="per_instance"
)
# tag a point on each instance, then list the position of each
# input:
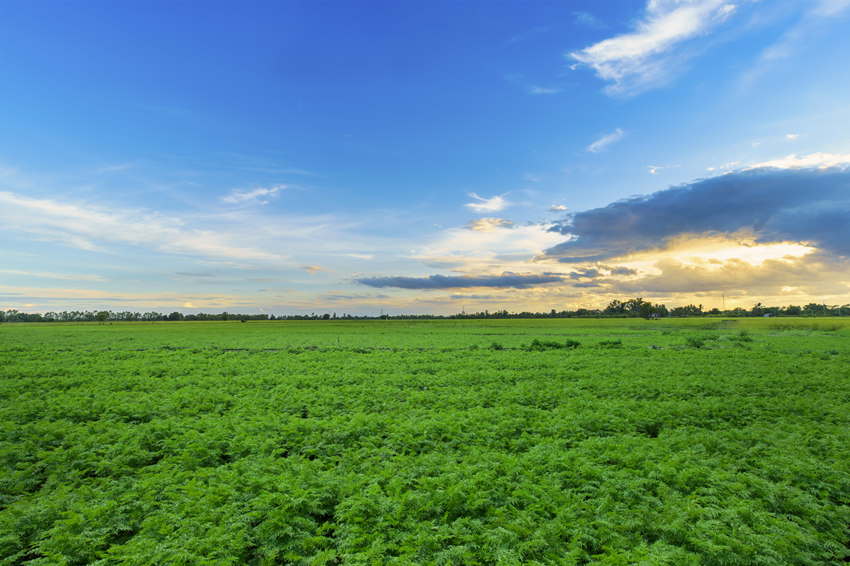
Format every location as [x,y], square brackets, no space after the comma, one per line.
[415,157]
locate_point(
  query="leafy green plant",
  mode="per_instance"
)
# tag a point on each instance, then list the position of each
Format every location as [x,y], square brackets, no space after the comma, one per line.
[268,443]
[742,336]
[538,345]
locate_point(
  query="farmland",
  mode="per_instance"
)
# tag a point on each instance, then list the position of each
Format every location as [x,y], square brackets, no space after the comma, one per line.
[611,441]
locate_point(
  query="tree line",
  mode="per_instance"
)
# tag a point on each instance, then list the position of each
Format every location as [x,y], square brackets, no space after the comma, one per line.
[638,308]
[630,308]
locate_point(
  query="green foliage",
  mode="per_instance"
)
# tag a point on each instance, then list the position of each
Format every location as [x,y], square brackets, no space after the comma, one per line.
[742,336]
[538,345]
[391,442]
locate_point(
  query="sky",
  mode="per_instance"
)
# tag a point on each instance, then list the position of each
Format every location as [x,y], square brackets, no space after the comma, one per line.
[413,157]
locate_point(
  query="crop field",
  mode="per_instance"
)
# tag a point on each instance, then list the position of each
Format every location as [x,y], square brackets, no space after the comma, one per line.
[611,441]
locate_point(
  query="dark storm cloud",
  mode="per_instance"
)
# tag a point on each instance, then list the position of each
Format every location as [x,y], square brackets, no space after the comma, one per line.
[507,279]
[799,205]
[585,274]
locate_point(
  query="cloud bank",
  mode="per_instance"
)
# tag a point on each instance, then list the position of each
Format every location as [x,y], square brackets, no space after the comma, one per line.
[505,280]
[776,205]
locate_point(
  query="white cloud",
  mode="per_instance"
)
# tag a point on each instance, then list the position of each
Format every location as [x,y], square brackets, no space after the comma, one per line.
[256,196]
[496,250]
[602,143]
[542,90]
[815,160]
[493,204]
[635,61]
[488,224]
[654,169]
[557,208]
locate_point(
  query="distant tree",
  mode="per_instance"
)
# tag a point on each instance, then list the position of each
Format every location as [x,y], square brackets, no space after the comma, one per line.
[102,317]
[688,310]
[814,309]
[758,310]
[792,310]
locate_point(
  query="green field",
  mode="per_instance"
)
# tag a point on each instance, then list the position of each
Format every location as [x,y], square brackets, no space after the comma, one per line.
[694,441]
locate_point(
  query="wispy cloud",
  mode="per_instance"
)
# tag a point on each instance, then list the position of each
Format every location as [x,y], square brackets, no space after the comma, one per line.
[114,168]
[588,20]
[602,143]
[484,205]
[814,20]
[642,59]
[488,224]
[61,296]
[261,195]
[542,90]
[94,228]
[522,82]
[828,8]
[313,269]
[654,169]
[48,275]
[525,36]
